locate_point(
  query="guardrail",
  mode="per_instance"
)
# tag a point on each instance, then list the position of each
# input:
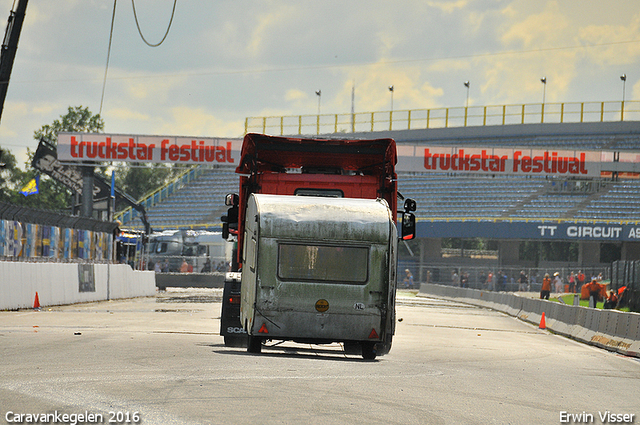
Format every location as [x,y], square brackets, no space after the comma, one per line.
[150,199]
[609,329]
[446,117]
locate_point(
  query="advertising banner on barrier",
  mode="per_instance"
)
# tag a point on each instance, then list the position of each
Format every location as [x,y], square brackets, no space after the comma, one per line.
[136,148]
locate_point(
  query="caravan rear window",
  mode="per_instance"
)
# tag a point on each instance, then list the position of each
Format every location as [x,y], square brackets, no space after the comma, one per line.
[324,263]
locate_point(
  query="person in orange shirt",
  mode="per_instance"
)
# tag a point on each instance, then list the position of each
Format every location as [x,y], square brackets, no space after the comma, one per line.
[579,281]
[546,287]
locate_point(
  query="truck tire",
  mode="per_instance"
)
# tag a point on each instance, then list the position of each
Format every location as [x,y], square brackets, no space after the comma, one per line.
[369,350]
[254,345]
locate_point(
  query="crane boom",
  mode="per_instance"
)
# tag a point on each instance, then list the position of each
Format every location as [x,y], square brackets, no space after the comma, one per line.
[9,48]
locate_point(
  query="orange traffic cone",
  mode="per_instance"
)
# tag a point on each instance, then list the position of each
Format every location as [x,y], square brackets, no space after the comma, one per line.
[36,302]
[543,324]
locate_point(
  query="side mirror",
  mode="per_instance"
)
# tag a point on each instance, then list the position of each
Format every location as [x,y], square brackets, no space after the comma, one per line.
[230,221]
[408,226]
[232,200]
[410,205]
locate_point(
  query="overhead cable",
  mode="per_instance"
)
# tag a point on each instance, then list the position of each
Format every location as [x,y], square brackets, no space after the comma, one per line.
[104,82]
[140,31]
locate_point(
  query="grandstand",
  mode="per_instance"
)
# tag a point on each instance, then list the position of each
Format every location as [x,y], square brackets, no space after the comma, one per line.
[199,203]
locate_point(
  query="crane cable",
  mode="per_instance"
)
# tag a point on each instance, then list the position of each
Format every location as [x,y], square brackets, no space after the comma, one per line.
[113,17]
[104,82]
[140,31]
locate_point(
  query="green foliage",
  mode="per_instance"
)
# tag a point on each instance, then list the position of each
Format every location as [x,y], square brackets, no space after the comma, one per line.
[140,179]
[77,119]
[52,194]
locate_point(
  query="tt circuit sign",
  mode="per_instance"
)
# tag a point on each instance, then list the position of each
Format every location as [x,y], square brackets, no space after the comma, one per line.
[131,148]
[508,229]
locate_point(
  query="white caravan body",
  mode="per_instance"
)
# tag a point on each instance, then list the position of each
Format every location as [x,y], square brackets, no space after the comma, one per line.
[319,270]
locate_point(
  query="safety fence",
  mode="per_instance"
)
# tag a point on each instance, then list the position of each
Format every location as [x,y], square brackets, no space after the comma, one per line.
[493,277]
[609,329]
[626,274]
[37,242]
[566,112]
[28,234]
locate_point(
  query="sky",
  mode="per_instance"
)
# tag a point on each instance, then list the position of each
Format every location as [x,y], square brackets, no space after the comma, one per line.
[225,60]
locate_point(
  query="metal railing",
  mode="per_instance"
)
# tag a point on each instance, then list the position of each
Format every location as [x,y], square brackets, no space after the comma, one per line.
[150,199]
[568,112]
[477,275]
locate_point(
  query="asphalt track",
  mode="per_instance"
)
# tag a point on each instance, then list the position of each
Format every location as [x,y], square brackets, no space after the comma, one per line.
[162,359]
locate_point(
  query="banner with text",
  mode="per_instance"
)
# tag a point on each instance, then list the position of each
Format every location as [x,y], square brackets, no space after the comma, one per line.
[135,148]
[411,157]
[484,160]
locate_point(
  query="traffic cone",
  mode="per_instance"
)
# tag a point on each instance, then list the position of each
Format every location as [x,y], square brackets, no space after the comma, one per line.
[543,324]
[36,302]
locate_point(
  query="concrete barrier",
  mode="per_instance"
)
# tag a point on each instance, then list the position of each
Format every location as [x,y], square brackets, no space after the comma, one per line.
[609,329]
[69,283]
[190,280]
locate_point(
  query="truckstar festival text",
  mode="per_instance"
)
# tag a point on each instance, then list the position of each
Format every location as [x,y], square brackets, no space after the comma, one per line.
[75,147]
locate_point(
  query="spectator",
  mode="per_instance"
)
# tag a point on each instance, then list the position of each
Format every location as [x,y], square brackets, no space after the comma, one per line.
[522,281]
[464,279]
[157,267]
[557,282]
[408,279]
[612,300]
[546,287]
[490,282]
[165,266]
[596,290]
[207,266]
[580,280]
[184,268]
[455,279]
[501,281]
[572,282]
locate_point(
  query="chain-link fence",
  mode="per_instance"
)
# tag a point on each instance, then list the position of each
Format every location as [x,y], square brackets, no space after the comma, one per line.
[496,278]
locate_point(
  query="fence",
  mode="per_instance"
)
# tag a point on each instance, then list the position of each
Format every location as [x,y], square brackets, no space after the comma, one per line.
[478,275]
[29,234]
[446,117]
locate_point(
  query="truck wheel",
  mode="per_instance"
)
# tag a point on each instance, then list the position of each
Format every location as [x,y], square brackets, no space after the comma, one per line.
[369,350]
[254,344]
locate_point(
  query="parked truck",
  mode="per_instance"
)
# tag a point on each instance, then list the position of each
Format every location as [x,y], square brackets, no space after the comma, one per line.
[315,224]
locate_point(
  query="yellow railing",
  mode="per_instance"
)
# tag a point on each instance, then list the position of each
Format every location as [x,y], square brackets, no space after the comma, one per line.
[158,195]
[446,117]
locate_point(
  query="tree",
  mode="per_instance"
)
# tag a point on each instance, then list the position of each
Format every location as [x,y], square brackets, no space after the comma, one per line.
[140,179]
[136,180]
[52,195]
[77,119]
